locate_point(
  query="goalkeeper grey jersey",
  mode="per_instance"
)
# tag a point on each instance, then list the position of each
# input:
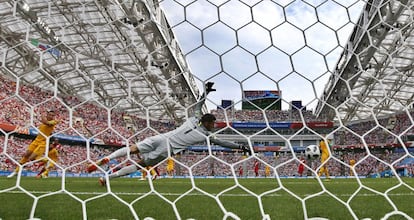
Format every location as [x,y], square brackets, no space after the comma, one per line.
[154,149]
[190,133]
[187,134]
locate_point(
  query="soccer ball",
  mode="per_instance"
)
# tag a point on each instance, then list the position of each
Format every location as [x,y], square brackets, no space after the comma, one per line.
[312,152]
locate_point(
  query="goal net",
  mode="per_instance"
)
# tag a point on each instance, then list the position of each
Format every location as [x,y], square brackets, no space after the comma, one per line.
[320,91]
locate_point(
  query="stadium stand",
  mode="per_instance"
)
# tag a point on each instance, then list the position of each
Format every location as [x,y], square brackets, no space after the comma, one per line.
[90,122]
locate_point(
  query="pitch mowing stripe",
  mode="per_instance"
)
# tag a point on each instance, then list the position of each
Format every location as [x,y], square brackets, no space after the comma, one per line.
[197,194]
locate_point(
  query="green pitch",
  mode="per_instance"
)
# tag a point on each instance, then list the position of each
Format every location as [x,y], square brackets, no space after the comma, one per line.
[80,198]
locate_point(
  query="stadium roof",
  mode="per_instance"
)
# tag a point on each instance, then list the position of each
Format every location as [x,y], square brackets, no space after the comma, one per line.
[126,54]
[374,75]
[117,50]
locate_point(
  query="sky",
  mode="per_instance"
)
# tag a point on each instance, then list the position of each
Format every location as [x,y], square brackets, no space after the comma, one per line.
[290,46]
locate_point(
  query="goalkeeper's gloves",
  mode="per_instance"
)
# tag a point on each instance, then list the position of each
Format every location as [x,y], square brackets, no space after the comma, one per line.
[246,150]
[209,87]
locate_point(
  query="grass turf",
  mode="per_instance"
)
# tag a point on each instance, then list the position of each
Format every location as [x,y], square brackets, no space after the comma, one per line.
[129,198]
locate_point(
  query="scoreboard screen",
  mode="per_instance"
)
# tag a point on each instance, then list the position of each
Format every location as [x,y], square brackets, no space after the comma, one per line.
[226,103]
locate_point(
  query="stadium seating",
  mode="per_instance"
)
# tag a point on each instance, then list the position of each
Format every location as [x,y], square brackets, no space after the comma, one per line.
[90,120]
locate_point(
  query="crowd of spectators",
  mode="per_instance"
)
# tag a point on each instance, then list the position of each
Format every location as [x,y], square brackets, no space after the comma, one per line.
[73,158]
[385,132]
[285,164]
[90,119]
[259,115]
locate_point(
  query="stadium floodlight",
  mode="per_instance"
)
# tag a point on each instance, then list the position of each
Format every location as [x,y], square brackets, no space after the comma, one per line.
[26,7]
[138,15]
[160,63]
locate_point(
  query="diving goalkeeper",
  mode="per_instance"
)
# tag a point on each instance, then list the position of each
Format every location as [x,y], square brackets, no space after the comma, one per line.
[152,150]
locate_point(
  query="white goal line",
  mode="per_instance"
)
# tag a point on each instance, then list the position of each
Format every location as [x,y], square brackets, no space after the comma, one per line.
[197,194]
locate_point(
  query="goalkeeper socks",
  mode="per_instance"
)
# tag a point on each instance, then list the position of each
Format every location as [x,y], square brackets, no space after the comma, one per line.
[124,171]
[119,153]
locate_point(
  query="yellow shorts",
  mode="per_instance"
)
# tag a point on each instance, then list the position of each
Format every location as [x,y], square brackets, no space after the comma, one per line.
[37,147]
[51,159]
[53,154]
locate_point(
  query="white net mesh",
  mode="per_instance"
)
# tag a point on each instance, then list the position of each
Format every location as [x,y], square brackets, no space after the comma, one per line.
[116,72]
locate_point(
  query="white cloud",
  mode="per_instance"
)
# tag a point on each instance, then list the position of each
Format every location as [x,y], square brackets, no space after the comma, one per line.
[268,14]
[201,14]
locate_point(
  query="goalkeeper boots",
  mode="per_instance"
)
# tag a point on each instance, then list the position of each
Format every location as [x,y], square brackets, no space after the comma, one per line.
[92,167]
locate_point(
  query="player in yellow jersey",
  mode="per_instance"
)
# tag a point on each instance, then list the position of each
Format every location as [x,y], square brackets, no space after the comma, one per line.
[153,171]
[38,145]
[170,166]
[351,164]
[324,157]
[267,171]
[49,162]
